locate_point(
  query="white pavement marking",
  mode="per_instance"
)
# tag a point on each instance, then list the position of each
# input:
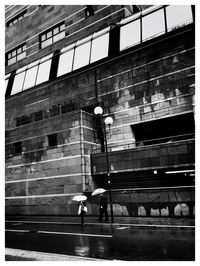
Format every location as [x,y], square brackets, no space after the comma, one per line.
[76,234]
[56,233]
[18,231]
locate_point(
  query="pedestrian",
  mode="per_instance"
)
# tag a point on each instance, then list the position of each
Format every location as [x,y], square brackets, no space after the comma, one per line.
[82,210]
[103,203]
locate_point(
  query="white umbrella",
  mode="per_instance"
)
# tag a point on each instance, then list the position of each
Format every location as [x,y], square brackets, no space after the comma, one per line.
[79,198]
[98,191]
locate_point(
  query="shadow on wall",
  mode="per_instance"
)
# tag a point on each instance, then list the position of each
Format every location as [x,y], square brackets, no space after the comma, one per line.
[161,209]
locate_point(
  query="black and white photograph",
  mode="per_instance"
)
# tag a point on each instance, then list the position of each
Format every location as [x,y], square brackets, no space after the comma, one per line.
[99,131]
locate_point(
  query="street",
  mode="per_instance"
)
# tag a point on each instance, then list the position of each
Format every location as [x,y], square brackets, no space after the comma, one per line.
[103,241]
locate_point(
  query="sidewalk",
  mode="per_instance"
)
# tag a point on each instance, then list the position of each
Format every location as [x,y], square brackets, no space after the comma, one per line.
[12,254]
[93,220]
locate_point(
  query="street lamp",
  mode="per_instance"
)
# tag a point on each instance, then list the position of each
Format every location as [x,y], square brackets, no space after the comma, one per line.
[108,121]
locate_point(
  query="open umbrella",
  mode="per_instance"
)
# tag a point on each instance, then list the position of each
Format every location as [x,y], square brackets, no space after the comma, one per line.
[98,191]
[79,198]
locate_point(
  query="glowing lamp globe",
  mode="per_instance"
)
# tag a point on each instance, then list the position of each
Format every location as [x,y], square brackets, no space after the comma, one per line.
[98,110]
[108,120]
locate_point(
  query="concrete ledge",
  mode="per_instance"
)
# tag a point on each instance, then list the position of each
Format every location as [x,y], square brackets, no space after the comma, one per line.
[26,255]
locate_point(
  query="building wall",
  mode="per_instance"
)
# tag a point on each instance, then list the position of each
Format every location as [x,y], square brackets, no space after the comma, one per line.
[153,80]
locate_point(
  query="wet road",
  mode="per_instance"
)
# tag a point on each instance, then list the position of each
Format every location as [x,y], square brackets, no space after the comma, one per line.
[103,242]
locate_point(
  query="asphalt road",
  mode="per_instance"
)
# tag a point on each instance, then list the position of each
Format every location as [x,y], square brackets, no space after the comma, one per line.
[103,242]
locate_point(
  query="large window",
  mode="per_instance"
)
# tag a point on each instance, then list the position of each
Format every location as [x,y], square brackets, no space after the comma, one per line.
[16,54]
[153,24]
[44,69]
[82,53]
[19,80]
[100,44]
[178,15]
[66,60]
[130,34]
[31,75]
[52,35]
[85,51]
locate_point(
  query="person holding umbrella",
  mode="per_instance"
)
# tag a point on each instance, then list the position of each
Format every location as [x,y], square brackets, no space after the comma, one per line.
[103,203]
[82,209]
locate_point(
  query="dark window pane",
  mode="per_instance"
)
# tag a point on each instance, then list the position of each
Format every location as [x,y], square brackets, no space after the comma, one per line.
[17,147]
[52,139]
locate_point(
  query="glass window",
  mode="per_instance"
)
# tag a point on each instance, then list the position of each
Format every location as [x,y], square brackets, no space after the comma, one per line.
[52,35]
[59,36]
[46,43]
[43,37]
[6,80]
[153,24]
[56,31]
[12,61]
[18,80]
[44,70]
[130,34]
[31,75]
[49,34]
[21,56]
[65,62]
[100,47]
[178,15]
[82,54]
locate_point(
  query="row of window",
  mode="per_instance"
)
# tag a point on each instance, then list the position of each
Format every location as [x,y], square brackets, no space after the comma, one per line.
[53,35]
[16,19]
[40,115]
[96,46]
[48,37]
[17,146]
[16,54]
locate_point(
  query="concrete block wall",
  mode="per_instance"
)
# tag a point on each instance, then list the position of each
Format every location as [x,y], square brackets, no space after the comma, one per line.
[49,177]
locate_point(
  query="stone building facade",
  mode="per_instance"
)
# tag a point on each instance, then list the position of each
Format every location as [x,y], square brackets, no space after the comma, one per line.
[138,63]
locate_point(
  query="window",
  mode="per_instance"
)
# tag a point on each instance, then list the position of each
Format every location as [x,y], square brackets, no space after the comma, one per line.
[55,110]
[100,44]
[82,53]
[53,35]
[17,148]
[38,116]
[16,54]
[23,120]
[44,69]
[52,139]
[16,19]
[31,73]
[18,81]
[153,24]
[7,80]
[89,11]
[65,61]
[130,34]
[178,15]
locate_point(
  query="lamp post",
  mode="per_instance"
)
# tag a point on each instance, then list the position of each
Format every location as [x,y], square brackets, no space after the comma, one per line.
[108,121]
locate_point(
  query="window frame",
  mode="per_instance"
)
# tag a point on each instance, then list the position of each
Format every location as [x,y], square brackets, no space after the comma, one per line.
[16,19]
[51,39]
[14,54]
